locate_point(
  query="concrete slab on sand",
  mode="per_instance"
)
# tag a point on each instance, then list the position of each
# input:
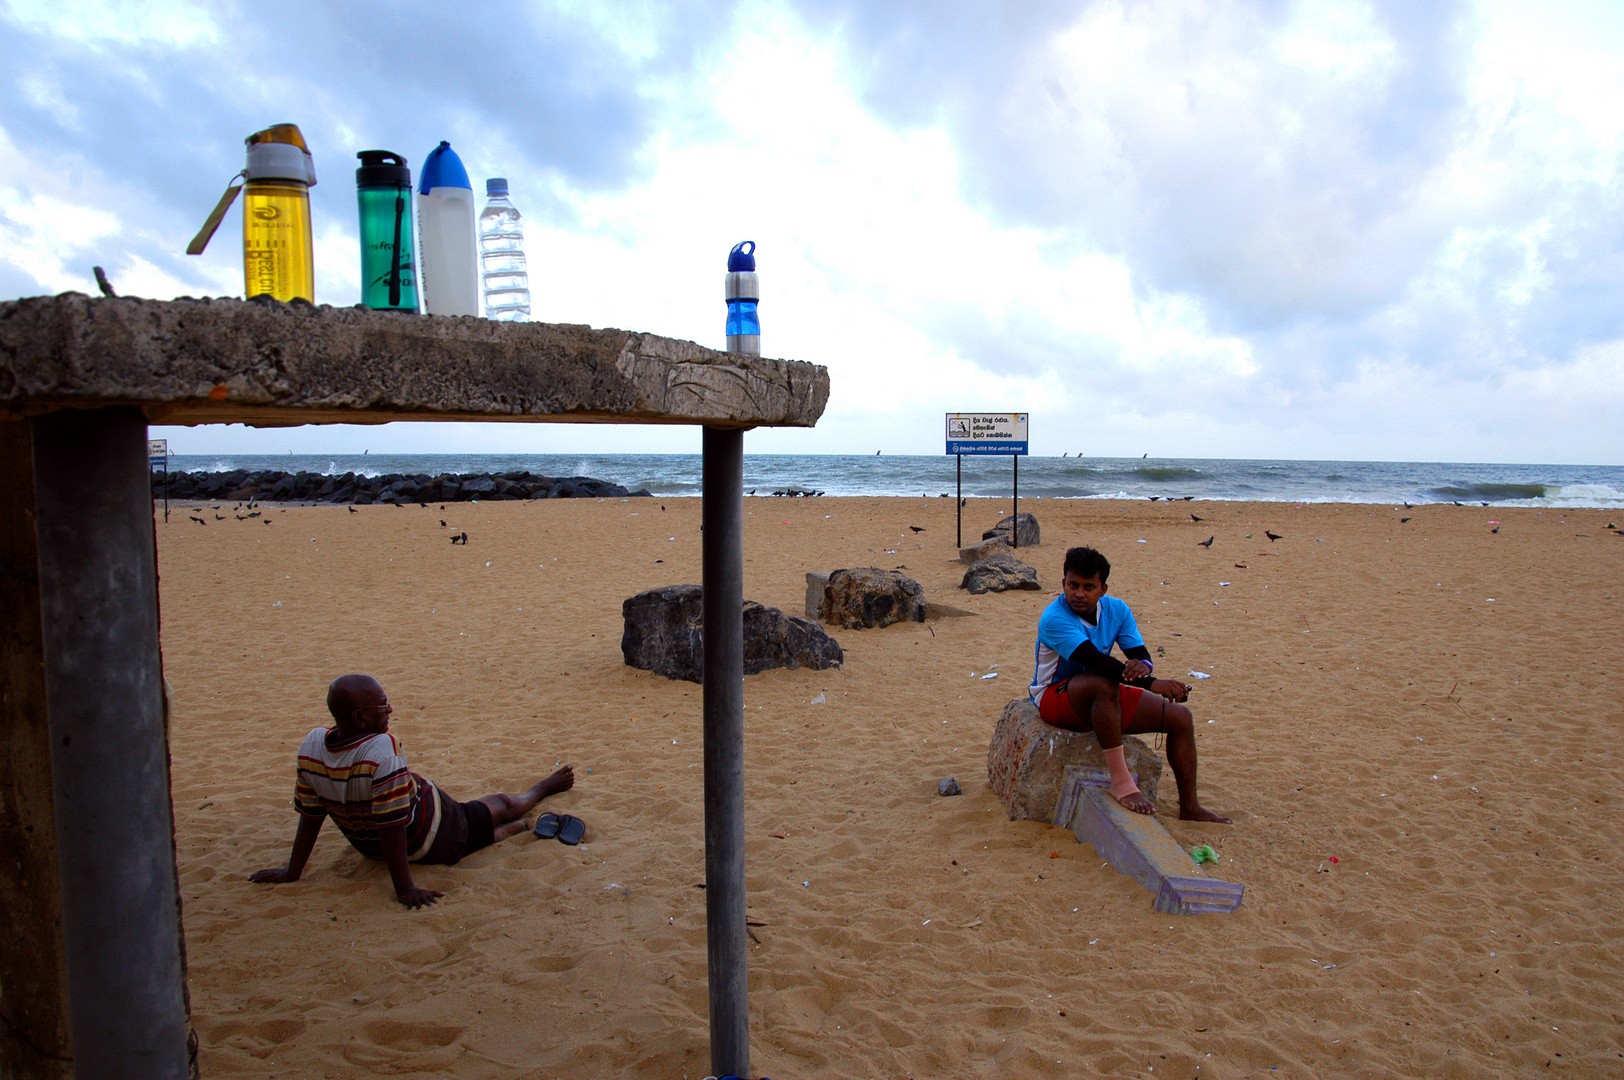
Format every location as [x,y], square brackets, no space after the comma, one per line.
[1137,846]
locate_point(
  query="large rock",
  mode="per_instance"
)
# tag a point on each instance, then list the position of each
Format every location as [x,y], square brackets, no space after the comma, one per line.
[1027,761]
[664,633]
[868,597]
[999,573]
[986,549]
[1024,526]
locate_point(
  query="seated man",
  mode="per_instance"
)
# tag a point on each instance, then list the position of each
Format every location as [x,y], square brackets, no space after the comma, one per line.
[1078,684]
[355,772]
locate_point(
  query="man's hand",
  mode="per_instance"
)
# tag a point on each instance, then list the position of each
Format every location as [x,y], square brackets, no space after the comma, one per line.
[1170,689]
[414,897]
[276,875]
[1134,669]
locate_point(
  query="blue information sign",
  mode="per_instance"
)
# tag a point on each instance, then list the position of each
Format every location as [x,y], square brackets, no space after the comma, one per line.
[987,433]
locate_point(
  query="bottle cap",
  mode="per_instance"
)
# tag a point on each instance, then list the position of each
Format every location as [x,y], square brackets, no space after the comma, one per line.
[443,168]
[739,259]
[279,153]
[374,172]
[496,186]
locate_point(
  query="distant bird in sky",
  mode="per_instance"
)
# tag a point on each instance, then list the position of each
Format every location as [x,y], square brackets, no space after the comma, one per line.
[916,528]
[1272,536]
[1207,543]
[1194,518]
[1143,456]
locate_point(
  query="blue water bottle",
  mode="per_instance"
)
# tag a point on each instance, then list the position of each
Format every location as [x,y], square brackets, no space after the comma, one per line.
[743,294]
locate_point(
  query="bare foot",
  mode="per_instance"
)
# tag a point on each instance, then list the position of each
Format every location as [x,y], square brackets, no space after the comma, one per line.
[562,780]
[1201,813]
[1136,801]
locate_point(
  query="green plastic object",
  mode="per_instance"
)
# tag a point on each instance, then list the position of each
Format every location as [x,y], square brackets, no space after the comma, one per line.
[1203,853]
[384,190]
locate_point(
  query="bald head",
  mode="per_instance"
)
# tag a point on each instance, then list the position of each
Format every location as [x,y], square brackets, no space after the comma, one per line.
[354,699]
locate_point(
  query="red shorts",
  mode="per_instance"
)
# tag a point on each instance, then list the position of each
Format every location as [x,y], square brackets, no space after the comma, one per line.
[1055,706]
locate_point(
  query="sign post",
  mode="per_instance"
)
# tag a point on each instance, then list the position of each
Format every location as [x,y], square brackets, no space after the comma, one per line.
[987,433]
[158,458]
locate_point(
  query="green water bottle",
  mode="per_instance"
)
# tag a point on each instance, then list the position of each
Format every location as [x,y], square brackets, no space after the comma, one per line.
[384,188]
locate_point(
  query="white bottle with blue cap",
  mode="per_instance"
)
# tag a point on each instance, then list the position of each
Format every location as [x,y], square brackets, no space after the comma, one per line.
[448,256]
[743,294]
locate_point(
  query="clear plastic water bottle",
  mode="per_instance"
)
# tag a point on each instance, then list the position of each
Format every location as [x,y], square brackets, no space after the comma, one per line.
[501,256]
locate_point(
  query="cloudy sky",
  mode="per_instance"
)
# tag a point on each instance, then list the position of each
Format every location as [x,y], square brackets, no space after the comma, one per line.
[1200,228]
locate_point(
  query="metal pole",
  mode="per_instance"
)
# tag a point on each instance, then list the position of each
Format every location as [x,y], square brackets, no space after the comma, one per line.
[958,497]
[1015,513]
[109,759]
[723,562]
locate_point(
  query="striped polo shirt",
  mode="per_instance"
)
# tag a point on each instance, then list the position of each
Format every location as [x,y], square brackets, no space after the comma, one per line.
[363,784]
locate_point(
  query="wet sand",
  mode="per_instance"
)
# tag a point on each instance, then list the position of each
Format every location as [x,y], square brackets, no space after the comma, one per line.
[1433,705]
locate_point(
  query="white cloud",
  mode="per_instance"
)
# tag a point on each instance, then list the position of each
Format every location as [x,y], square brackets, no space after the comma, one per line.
[1225,228]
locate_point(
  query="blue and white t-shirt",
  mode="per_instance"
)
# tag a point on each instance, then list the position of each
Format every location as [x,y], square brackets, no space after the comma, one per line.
[1061,630]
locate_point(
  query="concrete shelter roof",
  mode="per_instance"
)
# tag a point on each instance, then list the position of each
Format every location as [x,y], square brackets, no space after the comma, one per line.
[269,364]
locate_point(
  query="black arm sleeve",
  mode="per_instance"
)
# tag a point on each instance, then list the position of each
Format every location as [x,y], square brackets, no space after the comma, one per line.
[1139,652]
[1108,667]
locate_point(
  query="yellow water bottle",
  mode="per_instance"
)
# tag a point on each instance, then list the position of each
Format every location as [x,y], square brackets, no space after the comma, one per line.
[277,253]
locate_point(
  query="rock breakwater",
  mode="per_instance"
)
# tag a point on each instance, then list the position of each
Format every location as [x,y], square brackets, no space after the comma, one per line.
[355,488]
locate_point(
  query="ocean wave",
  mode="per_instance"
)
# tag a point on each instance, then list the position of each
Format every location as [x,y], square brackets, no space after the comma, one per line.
[1599,495]
[1491,492]
[1166,472]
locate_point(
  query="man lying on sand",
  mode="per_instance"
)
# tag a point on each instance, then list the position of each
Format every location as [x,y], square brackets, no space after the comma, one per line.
[1079,685]
[355,772]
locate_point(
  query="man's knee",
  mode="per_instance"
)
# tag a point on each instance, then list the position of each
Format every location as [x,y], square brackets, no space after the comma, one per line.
[1179,720]
[1089,687]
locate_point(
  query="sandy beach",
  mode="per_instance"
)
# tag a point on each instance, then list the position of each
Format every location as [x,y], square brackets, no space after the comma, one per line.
[1414,725]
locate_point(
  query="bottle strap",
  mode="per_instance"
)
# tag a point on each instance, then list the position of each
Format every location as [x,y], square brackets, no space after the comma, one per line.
[206,233]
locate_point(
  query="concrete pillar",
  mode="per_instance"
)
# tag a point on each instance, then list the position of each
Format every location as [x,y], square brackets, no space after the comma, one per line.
[98,593]
[34,1043]
[723,561]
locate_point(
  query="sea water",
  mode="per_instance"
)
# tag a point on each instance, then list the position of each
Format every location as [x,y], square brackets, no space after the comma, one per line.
[675,475]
